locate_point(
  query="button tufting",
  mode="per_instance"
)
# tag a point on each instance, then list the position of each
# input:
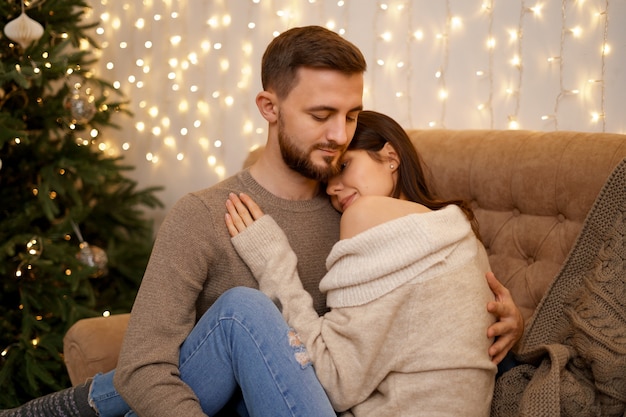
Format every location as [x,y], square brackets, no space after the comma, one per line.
[516,212]
[561,217]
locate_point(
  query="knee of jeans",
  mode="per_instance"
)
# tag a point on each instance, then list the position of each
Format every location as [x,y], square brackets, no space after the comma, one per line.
[238,294]
[247,298]
[300,353]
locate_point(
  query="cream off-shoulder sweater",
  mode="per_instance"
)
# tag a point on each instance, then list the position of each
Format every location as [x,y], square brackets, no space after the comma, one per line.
[406,333]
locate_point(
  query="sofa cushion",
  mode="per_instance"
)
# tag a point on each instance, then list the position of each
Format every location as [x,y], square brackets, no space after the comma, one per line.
[531,192]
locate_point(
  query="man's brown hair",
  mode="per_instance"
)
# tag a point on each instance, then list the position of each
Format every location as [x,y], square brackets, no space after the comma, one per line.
[307,46]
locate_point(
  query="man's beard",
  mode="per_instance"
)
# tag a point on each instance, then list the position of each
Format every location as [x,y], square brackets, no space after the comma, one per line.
[300,161]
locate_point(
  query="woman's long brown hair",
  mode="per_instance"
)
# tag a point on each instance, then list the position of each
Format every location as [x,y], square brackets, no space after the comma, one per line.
[373,131]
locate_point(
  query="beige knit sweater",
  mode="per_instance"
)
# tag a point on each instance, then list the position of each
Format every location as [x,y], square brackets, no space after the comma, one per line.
[406,334]
[193,262]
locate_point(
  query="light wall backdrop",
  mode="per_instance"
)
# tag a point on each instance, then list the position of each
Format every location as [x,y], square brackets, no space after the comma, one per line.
[190,70]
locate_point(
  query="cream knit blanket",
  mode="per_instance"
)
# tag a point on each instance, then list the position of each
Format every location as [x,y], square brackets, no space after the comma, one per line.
[574,348]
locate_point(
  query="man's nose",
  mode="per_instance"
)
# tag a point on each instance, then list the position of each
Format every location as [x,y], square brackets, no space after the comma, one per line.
[339,133]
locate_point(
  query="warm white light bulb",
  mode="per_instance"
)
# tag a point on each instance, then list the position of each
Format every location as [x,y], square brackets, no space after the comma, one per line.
[576,31]
[175,40]
[536,9]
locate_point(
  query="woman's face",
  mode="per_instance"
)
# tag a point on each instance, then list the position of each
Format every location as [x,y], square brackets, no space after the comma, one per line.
[360,175]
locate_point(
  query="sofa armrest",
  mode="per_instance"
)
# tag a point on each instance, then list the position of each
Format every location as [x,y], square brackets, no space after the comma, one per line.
[93,345]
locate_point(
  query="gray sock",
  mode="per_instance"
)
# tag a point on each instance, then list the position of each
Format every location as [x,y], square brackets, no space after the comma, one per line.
[70,402]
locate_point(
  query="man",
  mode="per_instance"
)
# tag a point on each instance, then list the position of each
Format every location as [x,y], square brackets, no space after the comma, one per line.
[312,93]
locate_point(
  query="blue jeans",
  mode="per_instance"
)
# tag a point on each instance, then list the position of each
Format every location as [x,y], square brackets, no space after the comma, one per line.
[243,342]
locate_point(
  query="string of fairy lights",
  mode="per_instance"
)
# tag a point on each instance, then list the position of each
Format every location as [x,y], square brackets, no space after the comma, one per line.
[487,8]
[190,69]
[606,48]
[441,73]
[516,62]
[564,91]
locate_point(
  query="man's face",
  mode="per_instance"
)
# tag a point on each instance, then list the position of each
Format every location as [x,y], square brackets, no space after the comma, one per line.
[317,120]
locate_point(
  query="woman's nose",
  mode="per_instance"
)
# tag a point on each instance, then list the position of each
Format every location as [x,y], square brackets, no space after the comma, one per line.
[334,185]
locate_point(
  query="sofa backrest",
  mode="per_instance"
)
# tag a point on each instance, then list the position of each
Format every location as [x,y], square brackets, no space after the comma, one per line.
[530,191]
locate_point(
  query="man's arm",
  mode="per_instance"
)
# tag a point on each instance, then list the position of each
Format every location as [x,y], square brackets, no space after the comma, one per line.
[163,315]
[509,328]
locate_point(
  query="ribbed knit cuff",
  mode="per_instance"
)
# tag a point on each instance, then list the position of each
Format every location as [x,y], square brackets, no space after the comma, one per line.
[264,240]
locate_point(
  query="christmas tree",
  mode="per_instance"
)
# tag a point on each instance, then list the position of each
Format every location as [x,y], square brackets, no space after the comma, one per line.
[74,239]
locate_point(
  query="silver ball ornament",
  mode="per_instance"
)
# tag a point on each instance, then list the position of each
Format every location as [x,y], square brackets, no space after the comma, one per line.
[81,106]
[93,256]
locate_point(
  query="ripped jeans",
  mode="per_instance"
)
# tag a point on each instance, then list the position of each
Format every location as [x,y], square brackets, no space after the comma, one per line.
[243,342]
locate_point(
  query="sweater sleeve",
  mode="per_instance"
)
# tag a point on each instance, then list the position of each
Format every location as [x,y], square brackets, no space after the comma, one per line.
[264,247]
[147,375]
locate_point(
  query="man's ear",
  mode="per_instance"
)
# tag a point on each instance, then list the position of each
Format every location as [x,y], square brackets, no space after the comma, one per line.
[389,153]
[266,103]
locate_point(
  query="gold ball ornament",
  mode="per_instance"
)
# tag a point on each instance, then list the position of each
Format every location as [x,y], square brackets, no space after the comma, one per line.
[23,30]
[93,256]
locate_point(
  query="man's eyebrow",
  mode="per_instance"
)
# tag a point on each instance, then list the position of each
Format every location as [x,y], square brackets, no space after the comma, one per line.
[333,109]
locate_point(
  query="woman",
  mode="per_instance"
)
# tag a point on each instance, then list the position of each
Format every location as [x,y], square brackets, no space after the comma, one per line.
[404,255]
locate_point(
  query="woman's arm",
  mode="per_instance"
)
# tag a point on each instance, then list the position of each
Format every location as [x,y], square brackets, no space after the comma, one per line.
[344,356]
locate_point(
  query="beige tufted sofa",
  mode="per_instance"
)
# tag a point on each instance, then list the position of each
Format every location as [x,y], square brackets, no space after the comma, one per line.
[530,191]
